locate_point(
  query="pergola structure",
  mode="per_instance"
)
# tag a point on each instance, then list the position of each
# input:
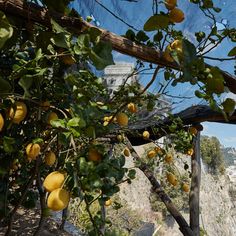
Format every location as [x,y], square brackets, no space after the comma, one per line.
[192,116]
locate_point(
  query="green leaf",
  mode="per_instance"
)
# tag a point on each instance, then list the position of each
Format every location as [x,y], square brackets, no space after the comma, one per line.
[76,122]
[156,22]
[130,34]
[26,82]
[56,27]
[132,174]
[229,106]
[8,144]
[58,123]
[232,52]
[60,40]
[6,30]
[141,36]
[5,86]
[94,34]
[101,55]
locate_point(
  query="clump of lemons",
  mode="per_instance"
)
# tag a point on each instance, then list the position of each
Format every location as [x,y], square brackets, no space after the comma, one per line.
[18,112]
[175,46]
[32,151]
[122,119]
[50,158]
[176,15]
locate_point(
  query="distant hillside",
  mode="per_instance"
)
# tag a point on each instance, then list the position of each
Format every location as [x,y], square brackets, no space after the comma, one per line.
[229,155]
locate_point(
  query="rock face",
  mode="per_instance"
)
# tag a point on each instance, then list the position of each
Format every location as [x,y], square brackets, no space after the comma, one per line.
[218,210]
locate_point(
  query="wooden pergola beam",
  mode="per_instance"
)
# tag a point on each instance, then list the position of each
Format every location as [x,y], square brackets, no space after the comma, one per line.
[35,13]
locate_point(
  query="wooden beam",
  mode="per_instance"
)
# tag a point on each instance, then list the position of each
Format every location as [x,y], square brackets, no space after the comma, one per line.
[183,225]
[35,13]
[194,197]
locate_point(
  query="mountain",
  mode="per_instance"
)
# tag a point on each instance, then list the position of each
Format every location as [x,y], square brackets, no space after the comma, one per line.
[229,155]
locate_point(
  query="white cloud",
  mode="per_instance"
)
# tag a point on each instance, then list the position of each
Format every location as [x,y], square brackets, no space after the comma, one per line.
[230,139]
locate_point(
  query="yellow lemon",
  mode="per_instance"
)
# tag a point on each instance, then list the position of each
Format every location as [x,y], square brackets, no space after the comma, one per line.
[58,199]
[1,122]
[146,135]
[167,56]
[18,112]
[190,152]
[158,150]
[126,152]
[151,154]
[185,187]
[171,178]
[120,138]
[45,105]
[176,15]
[168,158]
[50,158]
[53,181]
[94,155]
[122,119]
[193,131]
[170,4]
[32,151]
[108,202]
[51,116]
[132,107]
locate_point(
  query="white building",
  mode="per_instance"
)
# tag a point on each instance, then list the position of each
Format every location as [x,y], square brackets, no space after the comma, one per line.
[116,75]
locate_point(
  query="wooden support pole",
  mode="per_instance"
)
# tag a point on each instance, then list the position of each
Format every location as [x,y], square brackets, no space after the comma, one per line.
[183,225]
[194,197]
[35,13]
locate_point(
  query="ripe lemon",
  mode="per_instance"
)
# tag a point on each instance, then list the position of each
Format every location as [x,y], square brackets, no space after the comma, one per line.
[158,150]
[45,105]
[1,122]
[185,187]
[190,152]
[58,199]
[122,119]
[176,46]
[126,152]
[146,135]
[132,107]
[151,154]
[120,138]
[50,158]
[176,15]
[168,158]
[94,155]
[171,178]
[170,4]
[53,181]
[108,202]
[193,131]
[51,116]
[167,56]
[18,112]
[32,151]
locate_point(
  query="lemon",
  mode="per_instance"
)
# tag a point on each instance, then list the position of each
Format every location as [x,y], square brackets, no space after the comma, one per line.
[176,46]
[58,199]
[176,15]
[120,138]
[170,4]
[151,154]
[53,181]
[193,131]
[185,187]
[45,105]
[32,151]
[1,122]
[51,116]
[132,107]
[168,158]
[146,135]
[190,152]
[50,158]
[158,150]
[94,155]
[122,119]
[18,112]
[171,178]
[126,152]
[108,202]
[167,56]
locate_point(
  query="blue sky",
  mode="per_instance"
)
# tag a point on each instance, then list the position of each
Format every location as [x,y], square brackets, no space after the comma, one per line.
[137,14]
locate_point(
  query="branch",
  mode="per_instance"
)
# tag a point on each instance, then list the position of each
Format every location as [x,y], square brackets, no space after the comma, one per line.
[33,12]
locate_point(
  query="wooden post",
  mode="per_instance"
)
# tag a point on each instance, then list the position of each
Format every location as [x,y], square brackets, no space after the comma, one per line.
[195,185]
